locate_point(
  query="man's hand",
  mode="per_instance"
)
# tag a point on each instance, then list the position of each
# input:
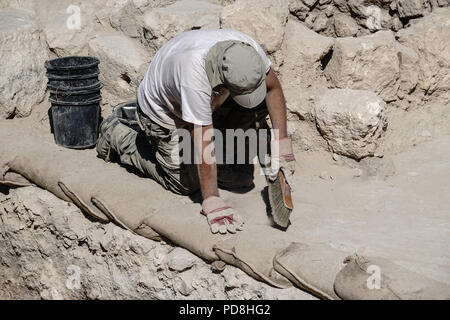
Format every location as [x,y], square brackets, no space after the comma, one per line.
[221,217]
[282,158]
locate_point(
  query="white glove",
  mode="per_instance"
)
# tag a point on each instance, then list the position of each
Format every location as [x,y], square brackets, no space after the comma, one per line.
[221,218]
[282,158]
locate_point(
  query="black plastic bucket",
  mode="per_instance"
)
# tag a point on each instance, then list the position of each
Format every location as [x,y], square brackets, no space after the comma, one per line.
[75,126]
[72,63]
[74,85]
[65,93]
[75,97]
[65,76]
[75,91]
[75,100]
[68,96]
[73,67]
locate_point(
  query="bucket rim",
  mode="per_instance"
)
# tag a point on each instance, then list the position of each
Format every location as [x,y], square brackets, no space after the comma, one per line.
[94,63]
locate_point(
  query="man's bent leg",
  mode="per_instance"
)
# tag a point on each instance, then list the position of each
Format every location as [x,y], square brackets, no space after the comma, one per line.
[134,150]
[180,178]
[147,151]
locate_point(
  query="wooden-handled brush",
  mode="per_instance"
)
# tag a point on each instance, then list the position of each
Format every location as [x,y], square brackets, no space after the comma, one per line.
[280,200]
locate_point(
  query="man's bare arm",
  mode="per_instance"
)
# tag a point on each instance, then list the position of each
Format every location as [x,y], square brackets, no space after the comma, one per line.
[282,144]
[207,169]
[276,104]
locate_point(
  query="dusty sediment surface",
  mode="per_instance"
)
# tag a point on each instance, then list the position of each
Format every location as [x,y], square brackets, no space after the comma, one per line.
[50,250]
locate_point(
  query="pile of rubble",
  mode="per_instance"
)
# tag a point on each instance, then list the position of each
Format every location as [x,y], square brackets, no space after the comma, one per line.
[342,18]
[50,250]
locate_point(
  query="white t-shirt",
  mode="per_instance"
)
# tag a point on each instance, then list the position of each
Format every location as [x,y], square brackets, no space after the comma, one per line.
[176,85]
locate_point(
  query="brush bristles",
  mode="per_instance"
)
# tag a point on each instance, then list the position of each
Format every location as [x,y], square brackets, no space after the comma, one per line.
[280,213]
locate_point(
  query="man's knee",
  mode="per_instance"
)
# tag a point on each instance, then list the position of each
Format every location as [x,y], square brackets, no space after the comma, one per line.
[183,181]
[183,189]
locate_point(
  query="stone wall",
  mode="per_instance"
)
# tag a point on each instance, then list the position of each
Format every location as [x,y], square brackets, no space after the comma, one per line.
[397,49]
[349,18]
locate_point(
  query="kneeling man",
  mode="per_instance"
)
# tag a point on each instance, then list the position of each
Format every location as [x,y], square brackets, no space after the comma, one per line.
[199,81]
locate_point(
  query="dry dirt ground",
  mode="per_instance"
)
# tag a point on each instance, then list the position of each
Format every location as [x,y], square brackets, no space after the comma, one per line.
[396,206]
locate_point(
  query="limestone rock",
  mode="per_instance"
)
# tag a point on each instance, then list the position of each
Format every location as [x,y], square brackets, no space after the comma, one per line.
[345,26]
[126,18]
[329,10]
[371,16]
[366,63]
[68,26]
[303,50]
[360,6]
[123,64]
[342,5]
[302,78]
[23,54]
[311,18]
[442,3]
[347,18]
[351,121]
[324,2]
[162,24]
[310,3]
[301,126]
[321,23]
[185,285]
[429,38]
[298,9]
[410,8]
[180,259]
[303,81]
[263,20]
[409,70]
[396,23]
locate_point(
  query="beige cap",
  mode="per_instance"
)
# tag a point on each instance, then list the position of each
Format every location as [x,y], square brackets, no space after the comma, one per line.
[240,68]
